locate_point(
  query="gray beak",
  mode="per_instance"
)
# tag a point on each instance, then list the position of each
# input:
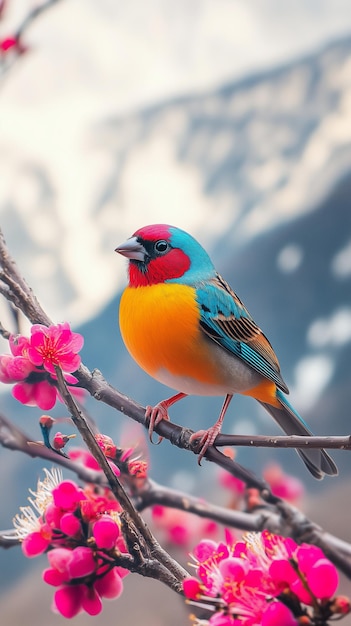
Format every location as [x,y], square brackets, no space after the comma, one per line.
[132,249]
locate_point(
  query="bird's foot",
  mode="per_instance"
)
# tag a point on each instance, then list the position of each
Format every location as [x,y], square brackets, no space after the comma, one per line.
[156,414]
[206,439]
[159,412]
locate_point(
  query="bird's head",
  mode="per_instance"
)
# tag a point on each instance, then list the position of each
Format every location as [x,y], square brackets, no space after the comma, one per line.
[161,253]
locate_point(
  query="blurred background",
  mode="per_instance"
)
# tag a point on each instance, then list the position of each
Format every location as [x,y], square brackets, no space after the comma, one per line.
[230,119]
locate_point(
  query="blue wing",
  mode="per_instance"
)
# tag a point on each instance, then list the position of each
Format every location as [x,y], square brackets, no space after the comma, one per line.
[225,319]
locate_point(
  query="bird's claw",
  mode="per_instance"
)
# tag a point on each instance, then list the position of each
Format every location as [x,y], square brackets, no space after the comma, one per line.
[206,439]
[156,414]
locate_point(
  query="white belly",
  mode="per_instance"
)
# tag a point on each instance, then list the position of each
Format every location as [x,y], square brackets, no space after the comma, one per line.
[237,377]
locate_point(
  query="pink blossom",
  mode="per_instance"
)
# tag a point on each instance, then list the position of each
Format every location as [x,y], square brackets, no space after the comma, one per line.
[41,394]
[298,588]
[46,421]
[126,454]
[32,367]
[110,585]
[60,559]
[11,43]
[82,562]
[96,504]
[79,530]
[252,578]
[341,605]
[283,485]
[8,43]
[68,600]
[106,532]
[236,486]
[232,483]
[13,369]
[115,469]
[192,588]
[233,567]
[70,524]
[55,346]
[138,468]
[91,601]
[60,440]
[53,515]
[54,578]
[277,614]
[19,345]
[323,579]
[107,445]
[282,572]
[35,543]
[84,457]
[67,495]
[307,556]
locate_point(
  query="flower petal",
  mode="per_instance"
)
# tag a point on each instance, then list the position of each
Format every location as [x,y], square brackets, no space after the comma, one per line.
[68,600]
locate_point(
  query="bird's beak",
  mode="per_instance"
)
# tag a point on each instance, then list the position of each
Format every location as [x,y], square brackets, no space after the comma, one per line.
[132,249]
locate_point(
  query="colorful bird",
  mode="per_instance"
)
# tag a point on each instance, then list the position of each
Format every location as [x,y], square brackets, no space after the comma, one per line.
[185,326]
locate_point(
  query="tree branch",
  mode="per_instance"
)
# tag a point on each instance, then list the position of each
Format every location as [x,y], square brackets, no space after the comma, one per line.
[32,16]
[285,441]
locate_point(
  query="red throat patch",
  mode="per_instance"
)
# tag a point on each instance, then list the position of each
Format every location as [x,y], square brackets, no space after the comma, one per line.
[174,264]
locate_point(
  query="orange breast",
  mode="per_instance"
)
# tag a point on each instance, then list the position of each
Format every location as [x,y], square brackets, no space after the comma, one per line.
[160,327]
[265,391]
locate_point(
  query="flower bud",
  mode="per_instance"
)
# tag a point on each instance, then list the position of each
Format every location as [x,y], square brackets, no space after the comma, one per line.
[105,532]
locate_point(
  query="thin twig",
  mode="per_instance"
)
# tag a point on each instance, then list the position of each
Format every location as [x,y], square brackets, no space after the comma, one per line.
[13,438]
[32,16]
[285,441]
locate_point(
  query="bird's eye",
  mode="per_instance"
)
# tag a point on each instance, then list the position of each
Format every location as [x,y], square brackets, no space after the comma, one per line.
[161,246]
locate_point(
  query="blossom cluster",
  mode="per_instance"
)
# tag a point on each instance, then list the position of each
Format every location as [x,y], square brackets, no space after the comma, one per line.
[79,530]
[263,580]
[31,364]
[122,460]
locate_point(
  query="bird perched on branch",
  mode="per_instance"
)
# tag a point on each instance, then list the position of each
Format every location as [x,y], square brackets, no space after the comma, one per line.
[185,326]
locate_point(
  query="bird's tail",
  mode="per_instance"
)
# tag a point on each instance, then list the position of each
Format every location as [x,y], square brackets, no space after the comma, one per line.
[317,461]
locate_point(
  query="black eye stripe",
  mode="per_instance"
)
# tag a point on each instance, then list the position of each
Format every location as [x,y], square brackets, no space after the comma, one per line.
[154,248]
